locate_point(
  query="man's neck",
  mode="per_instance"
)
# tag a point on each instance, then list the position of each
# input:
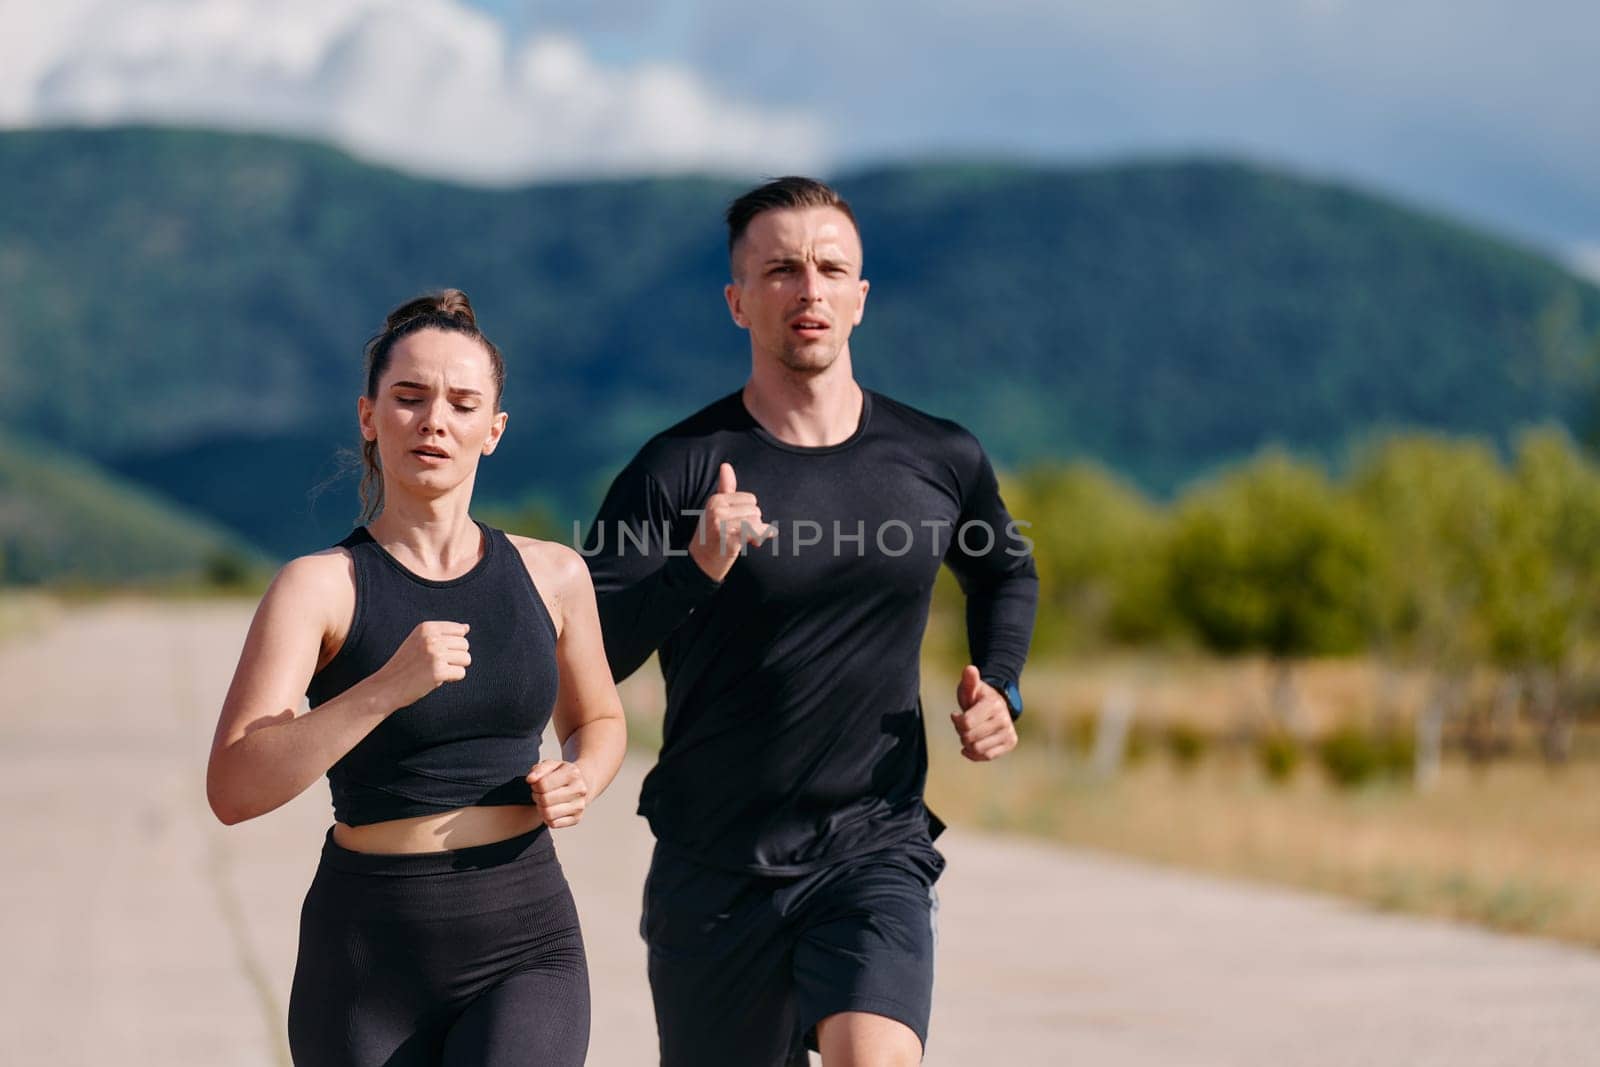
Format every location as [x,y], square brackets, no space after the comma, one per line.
[805,410]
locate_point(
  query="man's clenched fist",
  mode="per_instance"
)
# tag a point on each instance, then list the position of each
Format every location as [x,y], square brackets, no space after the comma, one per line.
[984,721]
[731,521]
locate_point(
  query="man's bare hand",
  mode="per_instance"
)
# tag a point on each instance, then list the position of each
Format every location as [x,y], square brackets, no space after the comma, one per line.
[731,521]
[984,721]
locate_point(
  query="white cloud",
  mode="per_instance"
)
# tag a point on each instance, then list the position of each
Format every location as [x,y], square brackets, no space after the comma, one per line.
[1480,109]
[1483,108]
[431,86]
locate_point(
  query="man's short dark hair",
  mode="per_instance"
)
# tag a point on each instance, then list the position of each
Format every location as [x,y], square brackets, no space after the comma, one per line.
[788,192]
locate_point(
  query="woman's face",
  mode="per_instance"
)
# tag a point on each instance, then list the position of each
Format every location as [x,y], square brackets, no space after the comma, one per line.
[434,414]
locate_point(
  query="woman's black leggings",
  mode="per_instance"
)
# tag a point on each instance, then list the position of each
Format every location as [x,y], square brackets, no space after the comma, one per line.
[465,957]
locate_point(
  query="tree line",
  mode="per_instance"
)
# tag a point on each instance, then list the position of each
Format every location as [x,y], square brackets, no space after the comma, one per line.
[1431,554]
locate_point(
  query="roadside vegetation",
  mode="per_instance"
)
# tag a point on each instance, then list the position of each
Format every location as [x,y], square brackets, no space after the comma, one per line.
[1382,684]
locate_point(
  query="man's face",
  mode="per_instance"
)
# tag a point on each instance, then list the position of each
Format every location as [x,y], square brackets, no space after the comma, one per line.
[797,286]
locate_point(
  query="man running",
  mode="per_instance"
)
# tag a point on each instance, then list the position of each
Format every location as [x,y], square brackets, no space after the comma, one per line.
[779,549]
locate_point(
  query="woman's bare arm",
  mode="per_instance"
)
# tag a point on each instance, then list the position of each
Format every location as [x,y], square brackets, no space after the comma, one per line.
[588,713]
[266,751]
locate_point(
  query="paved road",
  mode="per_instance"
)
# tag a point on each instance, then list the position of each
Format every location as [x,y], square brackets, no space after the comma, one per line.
[138,931]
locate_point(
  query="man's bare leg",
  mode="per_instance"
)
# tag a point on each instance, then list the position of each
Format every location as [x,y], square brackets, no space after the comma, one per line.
[861,1039]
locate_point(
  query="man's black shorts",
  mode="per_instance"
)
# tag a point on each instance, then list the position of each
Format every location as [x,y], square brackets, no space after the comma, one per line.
[743,966]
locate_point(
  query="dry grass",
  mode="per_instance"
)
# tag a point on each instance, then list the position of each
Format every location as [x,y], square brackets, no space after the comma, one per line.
[1222,695]
[22,612]
[1514,846]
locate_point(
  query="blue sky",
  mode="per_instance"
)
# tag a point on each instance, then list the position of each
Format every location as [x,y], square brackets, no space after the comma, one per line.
[1482,108]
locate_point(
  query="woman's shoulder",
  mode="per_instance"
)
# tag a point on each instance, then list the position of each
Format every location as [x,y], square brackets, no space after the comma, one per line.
[553,561]
[317,576]
[316,592]
[558,573]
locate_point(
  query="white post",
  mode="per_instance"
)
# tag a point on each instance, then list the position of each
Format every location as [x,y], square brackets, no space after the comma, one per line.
[1111,731]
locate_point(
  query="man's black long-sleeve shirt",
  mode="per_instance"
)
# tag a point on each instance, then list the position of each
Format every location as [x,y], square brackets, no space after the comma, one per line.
[793,734]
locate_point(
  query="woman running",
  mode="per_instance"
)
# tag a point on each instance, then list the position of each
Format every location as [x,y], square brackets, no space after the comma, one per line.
[434,650]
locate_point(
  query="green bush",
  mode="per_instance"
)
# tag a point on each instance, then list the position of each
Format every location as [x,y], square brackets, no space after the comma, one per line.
[1268,558]
[1186,744]
[1398,754]
[1351,756]
[1279,755]
[1100,544]
[226,569]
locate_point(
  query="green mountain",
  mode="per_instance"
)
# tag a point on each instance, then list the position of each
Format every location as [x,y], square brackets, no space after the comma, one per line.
[61,518]
[188,309]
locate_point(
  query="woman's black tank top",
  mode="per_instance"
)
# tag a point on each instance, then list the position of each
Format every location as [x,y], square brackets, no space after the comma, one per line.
[466,743]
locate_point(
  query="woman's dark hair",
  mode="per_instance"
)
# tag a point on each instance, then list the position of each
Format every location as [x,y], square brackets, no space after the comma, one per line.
[448,310]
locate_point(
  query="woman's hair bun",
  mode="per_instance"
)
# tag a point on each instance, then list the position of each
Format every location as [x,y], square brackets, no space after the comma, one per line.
[450,303]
